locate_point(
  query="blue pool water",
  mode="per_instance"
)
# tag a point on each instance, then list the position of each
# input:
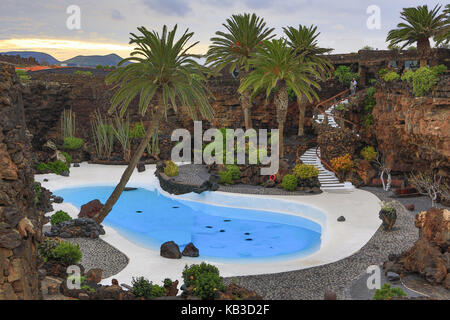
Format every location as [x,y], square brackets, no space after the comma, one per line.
[150,219]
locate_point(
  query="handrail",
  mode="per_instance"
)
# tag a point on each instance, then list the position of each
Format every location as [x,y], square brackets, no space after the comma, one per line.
[332,98]
[322,103]
[325,164]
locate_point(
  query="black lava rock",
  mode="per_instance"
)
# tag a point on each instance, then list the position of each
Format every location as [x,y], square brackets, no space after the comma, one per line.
[58,200]
[341,219]
[76,228]
[170,250]
[190,251]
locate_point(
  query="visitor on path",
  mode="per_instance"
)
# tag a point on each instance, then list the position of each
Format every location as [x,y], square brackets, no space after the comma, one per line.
[353,85]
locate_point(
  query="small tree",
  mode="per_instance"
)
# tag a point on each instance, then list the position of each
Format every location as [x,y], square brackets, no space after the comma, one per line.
[384,170]
[429,183]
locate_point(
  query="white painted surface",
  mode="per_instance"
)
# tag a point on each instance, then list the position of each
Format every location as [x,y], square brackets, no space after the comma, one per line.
[339,239]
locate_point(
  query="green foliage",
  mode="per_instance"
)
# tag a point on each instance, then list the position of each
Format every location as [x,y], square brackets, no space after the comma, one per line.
[103,135]
[387,293]
[291,95]
[37,192]
[68,123]
[369,153]
[226,177]
[72,143]
[83,73]
[440,69]
[56,167]
[171,169]
[59,216]
[121,129]
[235,171]
[289,182]
[305,171]
[167,283]
[408,75]
[146,289]
[391,76]
[344,75]
[23,75]
[138,131]
[68,158]
[45,248]
[204,279]
[340,107]
[370,101]
[367,120]
[387,206]
[67,253]
[382,72]
[423,80]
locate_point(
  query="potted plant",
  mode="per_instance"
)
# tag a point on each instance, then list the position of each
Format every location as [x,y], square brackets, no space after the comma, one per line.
[388,214]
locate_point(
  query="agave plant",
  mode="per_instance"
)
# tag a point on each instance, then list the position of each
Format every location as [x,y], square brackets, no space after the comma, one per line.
[304,41]
[163,72]
[233,48]
[420,24]
[277,67]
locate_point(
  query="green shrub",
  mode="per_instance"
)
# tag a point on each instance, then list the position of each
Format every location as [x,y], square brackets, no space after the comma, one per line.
[391,76]
[37,192]
[423,80]
[344,75]
[171,169]
[22,75]
[387,293]
[138,131]
[340,107]
[68,158]
[167,283]
[305,171]
[235,171]
[369,153]
[72,143]
[56,167]
[204,279]
[226,177]
[289,182]
[59,216]
[98,67]
[45,249]
[382,72]
[83,73]
[408,75]
[143,288]
[439,70]
[67,253]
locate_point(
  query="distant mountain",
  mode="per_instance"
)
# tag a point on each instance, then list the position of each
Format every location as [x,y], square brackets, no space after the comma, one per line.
[41,58]
[93,61]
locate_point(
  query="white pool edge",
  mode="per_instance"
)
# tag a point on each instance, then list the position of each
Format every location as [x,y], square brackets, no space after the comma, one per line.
[339,239]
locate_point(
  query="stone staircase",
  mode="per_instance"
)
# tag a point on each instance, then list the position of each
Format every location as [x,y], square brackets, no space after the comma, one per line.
[328,179]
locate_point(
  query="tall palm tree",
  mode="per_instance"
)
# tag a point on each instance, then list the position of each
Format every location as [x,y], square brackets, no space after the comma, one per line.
[162,70]
[276,65]
[244,34]
[420,25]
[304,41]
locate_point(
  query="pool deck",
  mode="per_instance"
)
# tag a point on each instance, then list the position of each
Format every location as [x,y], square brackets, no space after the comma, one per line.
[339,239]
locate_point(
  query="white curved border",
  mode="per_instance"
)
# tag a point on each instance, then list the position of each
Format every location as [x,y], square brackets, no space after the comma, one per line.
[339,239]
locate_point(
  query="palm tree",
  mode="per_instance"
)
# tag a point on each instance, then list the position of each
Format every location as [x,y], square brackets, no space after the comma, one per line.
[233,48]
[304,41]
[444,36]
[420,25]
[163,70]
[276,65]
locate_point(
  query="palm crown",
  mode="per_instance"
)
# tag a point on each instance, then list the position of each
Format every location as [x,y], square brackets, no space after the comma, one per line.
[275,61]
[304,40]
[161,67]
[420,25]
[245,33]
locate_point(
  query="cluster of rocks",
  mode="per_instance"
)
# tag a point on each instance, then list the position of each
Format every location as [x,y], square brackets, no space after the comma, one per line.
[76,228]
[430,255]
[171,250]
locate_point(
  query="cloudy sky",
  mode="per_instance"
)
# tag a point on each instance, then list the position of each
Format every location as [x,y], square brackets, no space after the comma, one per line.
[40,25]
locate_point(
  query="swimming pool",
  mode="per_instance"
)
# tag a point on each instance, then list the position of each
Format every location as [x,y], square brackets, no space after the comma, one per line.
[150,218]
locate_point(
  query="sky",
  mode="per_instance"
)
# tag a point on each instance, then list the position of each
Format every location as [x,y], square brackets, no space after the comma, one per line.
[105,25]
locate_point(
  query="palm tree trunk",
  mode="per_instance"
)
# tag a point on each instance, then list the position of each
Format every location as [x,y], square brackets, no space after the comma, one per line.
[281,101]
[246,103]
[301,114]
[424,51]
[130,169]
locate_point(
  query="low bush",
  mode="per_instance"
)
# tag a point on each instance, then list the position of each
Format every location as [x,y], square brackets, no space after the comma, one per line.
[343,163]
[387,293]
[235,171]
[45,249]
[382,72]
[369,153]
[391,76]
[143,288]
[72,143]
[289,182]
[423,80]
[56,167]
[344,75]
[68,158]
[226,177]
[83,73]
[37,192]
[408,75]
[171,169]
[59,216]
[138,131]
[305,171]
[67,253]
[204,279]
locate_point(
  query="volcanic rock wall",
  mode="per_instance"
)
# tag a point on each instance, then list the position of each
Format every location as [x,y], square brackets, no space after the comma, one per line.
[20,222]
[414,133]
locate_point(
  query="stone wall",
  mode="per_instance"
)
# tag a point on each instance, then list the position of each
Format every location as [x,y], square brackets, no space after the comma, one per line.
[414,133]
[20,222]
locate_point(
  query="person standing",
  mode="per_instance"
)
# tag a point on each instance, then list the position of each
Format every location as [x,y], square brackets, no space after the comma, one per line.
[353,85]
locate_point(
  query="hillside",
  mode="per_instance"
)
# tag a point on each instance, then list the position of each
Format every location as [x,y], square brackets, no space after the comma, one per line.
[41,58]
[93,61]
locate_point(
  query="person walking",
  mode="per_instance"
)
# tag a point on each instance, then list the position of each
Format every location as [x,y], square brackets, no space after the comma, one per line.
[353,85]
